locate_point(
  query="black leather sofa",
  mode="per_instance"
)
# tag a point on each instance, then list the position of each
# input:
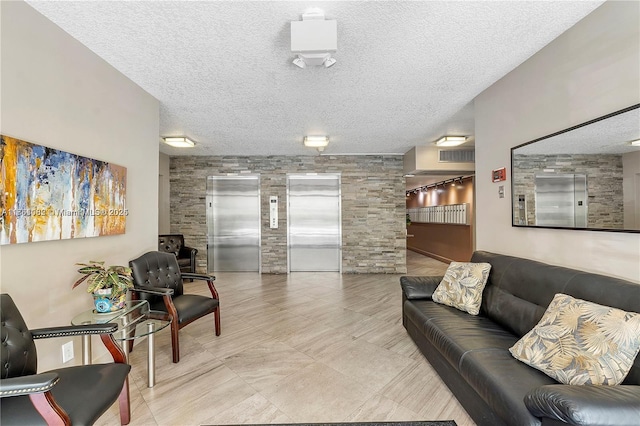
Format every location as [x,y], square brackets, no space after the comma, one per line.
[471,354]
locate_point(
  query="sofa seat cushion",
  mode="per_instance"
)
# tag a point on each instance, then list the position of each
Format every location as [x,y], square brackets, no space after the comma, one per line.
[421,311]
[502,382]
[455,332]
[454,337]
[184,262]
[189,306]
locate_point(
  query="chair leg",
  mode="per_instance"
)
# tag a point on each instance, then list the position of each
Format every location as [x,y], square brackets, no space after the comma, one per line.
[125,404]
[52,413]
[216,315]
[175,343]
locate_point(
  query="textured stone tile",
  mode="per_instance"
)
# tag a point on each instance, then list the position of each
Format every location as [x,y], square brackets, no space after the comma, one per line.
[373,198]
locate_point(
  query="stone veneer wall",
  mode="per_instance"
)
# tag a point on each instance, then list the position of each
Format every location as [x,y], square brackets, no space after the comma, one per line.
[373,205]
[604,184]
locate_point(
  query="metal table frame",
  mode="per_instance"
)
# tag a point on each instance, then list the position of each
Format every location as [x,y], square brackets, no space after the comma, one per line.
[134,320]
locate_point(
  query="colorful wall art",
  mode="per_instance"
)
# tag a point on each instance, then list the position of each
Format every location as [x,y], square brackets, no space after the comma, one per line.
[48,194]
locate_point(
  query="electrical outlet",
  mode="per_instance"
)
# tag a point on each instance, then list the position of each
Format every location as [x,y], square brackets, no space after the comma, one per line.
[67,352]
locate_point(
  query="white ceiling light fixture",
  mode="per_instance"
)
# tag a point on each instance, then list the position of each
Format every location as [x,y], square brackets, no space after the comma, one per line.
[179,142]
[451,140]
[318,142]
[635,143]
[314,39]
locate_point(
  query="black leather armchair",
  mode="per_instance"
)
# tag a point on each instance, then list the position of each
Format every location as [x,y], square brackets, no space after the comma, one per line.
[174,243]
[76,395]
[157,278]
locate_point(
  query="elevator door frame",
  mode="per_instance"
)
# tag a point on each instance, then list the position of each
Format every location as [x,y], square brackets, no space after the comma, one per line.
[210,236]
[337,176]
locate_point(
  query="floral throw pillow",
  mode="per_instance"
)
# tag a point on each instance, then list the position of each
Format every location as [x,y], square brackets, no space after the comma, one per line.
[581,343]
[462,286]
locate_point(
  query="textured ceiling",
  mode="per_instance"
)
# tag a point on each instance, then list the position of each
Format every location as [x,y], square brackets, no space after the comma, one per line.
[407,71]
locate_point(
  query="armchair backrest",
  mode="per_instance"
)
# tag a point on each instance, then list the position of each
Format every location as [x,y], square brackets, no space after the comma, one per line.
[170,243]
[157,269]
[19,356]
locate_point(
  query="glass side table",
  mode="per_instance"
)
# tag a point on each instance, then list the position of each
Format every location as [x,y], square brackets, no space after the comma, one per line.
[134,320]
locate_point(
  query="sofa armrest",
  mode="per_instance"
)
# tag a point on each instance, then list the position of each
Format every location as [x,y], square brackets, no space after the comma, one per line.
[419,287]
[586,405]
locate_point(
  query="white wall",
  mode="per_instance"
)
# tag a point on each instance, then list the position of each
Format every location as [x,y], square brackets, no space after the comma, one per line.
[57,93]
[589,71]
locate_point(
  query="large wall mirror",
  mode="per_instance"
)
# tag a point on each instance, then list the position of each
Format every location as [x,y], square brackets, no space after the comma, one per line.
[586,177]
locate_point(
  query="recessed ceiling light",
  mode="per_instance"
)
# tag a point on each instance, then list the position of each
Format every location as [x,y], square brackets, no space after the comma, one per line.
[179,142]
[451,140]
[316,141]
[635,143]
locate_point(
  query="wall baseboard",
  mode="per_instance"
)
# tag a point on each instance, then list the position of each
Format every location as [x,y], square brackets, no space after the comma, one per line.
[431,255]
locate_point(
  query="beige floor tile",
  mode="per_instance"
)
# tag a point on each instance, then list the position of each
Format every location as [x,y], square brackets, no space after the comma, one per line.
[307,339]
[381,409]
[255,409]
[176,408]
[226,345]
[416,387]
[380,368]
[316,394]
[286,324]
[323,344]
[360,328]
[265,364]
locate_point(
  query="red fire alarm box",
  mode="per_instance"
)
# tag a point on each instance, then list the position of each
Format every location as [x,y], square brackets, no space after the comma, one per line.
[499,174]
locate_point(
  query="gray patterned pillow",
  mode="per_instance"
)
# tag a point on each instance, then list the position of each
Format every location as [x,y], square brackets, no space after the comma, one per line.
[462,286]
[581,343]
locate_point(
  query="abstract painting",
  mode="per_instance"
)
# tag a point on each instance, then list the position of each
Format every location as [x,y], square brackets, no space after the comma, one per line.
[48,194]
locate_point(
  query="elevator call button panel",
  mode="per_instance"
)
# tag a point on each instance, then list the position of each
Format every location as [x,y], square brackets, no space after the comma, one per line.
[273,212]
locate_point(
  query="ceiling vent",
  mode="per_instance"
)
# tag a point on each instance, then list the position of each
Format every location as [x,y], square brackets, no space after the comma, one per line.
[431,160]
[456,156]
[314,39]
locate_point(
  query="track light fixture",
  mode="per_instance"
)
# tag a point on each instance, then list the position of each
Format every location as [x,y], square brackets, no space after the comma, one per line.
[455,182]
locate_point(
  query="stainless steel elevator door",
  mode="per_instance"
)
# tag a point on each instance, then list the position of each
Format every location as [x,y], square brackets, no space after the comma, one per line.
[233,222]
[314,222]
[561,200]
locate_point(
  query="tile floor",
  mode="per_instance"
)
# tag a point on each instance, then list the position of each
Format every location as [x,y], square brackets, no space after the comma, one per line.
[303,347]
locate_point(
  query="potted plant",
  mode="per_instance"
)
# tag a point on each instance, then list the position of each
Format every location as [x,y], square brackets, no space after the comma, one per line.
[109,284]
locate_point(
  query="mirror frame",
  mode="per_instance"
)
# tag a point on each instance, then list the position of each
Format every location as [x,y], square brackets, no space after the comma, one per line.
[586,123]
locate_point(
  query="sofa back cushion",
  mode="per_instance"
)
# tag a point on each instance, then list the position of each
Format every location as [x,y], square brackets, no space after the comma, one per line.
[519,291]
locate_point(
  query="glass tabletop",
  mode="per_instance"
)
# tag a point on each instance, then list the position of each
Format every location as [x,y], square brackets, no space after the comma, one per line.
[92,317]
[142,325]
[134,320]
